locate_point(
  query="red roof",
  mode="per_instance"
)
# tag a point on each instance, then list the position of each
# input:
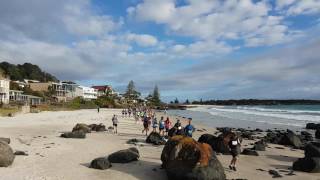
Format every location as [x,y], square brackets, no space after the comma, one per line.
[101,88]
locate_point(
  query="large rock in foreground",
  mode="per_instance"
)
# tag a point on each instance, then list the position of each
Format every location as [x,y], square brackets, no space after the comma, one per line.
[186,159]
[311,165]
[82,127]
[124,156]
[100,163]
[7,140]
[155,138]
[76,135]
[311,161]
[6,154]
[219,144]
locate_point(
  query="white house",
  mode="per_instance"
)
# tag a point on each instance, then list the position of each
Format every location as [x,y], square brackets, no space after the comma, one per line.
[89,93]
[4,91]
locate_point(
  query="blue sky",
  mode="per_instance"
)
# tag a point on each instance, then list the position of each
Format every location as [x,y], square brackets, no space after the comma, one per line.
[210,49]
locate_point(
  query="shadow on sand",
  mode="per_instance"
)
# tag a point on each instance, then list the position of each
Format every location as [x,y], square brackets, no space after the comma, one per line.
[141,169]
[282,158]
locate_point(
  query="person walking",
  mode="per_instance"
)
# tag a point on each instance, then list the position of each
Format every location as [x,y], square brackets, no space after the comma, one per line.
[154,124]
[161,126]
[234,146]
[189,129]
[115,124]
[167,125]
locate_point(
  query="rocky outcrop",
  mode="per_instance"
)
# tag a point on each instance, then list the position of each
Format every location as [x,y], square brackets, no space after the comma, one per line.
[100,163]
[186,159]
[219,144]
[288,138]
[6,154]
[75,134]
[313,126]
[82,127]
[260,146]
[124,156]
[97,127]
[311,161]
[155,139]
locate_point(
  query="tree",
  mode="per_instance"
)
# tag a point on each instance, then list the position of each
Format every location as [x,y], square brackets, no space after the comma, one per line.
[131,92]
[156,96]
[187,101]
[176,101]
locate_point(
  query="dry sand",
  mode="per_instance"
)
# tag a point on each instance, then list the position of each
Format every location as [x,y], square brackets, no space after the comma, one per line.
[52,157]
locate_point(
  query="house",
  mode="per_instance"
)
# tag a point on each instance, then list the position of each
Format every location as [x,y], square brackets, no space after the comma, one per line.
[89,93]
[104,90]
[4,90]
[19,97]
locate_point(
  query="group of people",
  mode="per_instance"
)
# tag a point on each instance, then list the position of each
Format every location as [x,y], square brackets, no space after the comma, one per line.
[149,119]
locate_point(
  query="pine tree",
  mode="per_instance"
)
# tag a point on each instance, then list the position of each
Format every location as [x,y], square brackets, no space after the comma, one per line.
[176,101]
[156,96]
[131,92]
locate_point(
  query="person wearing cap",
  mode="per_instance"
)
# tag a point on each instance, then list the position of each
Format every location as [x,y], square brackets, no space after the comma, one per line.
[188,130]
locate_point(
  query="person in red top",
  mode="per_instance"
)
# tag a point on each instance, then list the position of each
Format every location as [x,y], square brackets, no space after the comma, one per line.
[167,125]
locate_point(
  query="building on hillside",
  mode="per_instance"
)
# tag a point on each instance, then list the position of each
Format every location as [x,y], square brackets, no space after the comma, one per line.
[19,97]
[4,90]
[89,93]
[104,90]
[21,84]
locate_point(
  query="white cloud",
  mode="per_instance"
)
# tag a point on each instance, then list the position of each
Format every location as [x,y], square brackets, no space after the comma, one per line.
[297,7]
[144,40]
[217,20]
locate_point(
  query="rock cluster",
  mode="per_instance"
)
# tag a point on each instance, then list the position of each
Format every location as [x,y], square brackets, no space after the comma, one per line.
[186,159]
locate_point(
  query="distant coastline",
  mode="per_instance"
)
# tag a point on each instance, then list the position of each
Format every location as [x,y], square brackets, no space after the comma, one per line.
[256,102]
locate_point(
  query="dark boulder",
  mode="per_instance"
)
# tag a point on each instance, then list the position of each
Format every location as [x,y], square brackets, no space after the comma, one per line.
[247,135]
[307,164]
[124,156]
[312,150]
[249,152]
[313,126]
[186,159]
[100,163]
[81,127]
[75,134]
[291,139]
[260,146]
[219,144]
[317,133]
[224,129]
[97,127]
[155,138]
[7,140]
[6,154]
[20,153]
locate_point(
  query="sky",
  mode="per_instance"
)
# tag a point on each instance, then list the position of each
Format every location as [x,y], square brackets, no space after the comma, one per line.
[209,49]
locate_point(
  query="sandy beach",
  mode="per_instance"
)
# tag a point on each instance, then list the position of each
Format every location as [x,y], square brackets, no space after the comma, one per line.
[53,158]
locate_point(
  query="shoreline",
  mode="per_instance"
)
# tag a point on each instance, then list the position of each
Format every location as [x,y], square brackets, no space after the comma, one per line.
[52,157]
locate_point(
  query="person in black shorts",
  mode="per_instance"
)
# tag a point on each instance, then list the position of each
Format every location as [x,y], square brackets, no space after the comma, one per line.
[234,145]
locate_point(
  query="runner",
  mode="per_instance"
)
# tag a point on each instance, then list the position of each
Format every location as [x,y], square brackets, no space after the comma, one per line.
[167,125]
[161,126]
[115,124]
[234,146]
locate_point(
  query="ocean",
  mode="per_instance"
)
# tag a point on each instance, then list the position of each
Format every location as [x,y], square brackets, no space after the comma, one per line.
[292,117]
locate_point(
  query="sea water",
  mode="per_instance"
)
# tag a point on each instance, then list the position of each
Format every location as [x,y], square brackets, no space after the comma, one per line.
[264,117]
